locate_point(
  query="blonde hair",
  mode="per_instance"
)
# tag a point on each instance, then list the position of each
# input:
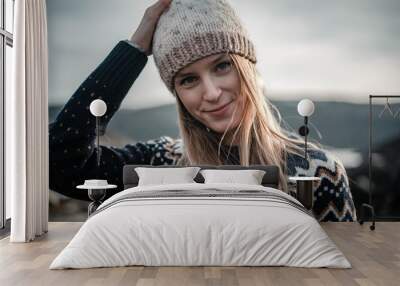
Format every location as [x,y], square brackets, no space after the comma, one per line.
[262,139]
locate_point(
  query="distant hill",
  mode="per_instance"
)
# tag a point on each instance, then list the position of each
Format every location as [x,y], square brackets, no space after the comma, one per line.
[342,125]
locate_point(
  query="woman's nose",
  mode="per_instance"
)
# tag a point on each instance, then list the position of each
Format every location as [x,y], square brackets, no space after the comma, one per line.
[211,90]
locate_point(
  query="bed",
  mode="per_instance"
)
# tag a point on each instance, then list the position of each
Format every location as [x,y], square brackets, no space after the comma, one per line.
[201,224]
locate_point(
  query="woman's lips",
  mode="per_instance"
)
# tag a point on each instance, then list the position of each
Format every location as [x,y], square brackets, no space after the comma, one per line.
[220,111]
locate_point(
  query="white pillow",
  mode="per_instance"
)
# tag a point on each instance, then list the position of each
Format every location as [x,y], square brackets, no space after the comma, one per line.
[162,176]
[249,177]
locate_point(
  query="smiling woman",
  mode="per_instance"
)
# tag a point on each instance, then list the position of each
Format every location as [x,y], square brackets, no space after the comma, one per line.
[209,90]
[207,61]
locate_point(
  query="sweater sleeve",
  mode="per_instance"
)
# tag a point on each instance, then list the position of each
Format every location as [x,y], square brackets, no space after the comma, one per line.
[333,200]
[72,152]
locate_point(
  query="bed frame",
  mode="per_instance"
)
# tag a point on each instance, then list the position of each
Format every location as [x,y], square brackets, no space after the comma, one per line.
[270,179]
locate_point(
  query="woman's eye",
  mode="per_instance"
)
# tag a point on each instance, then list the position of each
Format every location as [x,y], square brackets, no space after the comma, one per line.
[188,80]
[224,65]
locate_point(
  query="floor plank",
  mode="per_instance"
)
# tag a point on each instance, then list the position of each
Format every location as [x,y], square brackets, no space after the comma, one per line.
[374,255]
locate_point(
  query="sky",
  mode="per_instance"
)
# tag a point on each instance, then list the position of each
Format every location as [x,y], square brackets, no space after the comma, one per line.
[340,50]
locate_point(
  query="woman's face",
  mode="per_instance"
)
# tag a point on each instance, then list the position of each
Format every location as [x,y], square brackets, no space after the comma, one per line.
[210,90]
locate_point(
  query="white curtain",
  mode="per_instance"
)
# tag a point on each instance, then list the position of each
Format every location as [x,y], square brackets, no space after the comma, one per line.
[27,123]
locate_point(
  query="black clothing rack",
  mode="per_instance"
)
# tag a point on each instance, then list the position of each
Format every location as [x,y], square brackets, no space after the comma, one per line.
[369,205]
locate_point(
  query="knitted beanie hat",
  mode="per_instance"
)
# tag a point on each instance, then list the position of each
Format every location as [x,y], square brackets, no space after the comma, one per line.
[190,30]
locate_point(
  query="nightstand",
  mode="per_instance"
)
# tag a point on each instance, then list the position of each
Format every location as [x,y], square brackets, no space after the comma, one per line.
[96,193]
[304,190]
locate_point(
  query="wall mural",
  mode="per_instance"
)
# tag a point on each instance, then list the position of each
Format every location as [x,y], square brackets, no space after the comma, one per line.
[301,53]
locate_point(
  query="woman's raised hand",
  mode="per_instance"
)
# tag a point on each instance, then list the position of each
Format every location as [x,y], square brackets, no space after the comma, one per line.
[143,35]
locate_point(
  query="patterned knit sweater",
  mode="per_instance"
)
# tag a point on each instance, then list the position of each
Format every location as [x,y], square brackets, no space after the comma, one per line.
[72,142]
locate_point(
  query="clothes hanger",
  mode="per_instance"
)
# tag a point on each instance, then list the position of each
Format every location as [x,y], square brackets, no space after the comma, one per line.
[387,106]
[397,113]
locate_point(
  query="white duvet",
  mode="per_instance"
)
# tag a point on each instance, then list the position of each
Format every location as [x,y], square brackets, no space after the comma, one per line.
[207,230]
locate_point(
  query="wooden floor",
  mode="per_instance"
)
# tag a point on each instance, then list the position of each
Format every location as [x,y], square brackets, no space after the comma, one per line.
[374,255]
